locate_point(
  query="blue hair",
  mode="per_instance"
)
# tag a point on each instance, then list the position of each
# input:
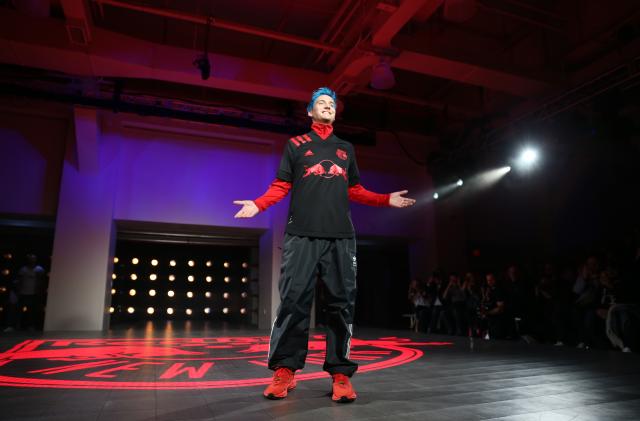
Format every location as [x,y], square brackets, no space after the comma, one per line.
[321,91]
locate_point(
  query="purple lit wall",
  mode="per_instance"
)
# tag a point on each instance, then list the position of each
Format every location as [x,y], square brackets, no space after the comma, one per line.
[125,167]
[31,152]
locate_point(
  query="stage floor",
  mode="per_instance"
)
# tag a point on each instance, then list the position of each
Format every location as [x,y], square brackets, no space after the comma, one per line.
[201,373]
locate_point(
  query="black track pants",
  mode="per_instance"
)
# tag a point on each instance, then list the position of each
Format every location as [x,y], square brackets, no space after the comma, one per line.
[302,260]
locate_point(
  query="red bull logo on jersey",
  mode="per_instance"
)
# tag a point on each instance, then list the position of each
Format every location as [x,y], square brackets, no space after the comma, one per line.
[341,154]
[177,363]
[326,169]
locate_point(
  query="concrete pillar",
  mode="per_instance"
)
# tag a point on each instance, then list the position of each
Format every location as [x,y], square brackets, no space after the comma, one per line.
[79,284]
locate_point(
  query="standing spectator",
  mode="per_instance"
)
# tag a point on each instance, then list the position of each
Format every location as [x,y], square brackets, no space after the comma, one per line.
[418,301]
[493,308]
[473,299]
[434,294]
[28,291]
[518,296]
[455,298]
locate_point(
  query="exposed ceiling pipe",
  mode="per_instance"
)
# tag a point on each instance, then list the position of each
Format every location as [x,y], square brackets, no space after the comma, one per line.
[331,31]
[522,18]
[231,26]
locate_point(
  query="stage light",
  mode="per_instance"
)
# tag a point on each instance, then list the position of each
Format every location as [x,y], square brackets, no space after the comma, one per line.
[188,311]
[116,260]
[150,310]
[172,278]
[134,276]
[135,260]
[528,158]
[154,262]
[190,278]
[243,295]
[508,168]
[209,263]
[6,272]
[209,279]
[435,196]
[225,310]
[190,294]
[3,289]
[225,295]
[244,279]
[130,310]
[152,292]
[132,292]
[113,276]
[191,263]
[172,263]
[153,277]
[243,310]
[382,77]
[24,309]
[170,293]
[113,291]
[1,309]
[245,265]
[227,279]
[169,310]
[459,182]
[111,309]
[226,264]
[207,310]
[207,294]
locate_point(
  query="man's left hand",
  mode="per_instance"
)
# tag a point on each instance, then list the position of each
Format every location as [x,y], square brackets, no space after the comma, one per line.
[397,201]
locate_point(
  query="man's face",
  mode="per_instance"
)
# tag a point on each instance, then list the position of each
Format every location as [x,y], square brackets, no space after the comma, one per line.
[324,110]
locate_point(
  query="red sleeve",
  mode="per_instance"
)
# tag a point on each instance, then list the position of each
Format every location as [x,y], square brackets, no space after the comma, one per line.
[277,191]
[361,195]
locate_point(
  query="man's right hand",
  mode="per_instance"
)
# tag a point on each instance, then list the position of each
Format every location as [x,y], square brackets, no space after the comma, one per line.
[249,209]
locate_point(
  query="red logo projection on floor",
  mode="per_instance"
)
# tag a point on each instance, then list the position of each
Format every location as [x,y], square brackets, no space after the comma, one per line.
[195,363]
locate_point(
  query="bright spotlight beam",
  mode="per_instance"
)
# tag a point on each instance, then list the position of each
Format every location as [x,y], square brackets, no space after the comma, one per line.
[528,158]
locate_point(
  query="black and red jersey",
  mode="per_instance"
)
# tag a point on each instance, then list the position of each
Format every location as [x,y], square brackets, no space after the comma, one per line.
[320,172]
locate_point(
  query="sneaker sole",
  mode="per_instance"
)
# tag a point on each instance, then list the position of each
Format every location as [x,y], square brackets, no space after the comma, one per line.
[343,399]
[276,397]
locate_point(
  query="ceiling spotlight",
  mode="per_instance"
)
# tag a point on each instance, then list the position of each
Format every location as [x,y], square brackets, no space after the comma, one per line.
[190,278]
[208,263]
[111,309]
[153,277]
[134,276]
[132,292]
[169,310]
[207,294]
[227,279]
[191,263]
[172,263]
[190,294]
[116,260]
[209,279]
[172,278]
[154,262]
[150,310]
[435,196]
[152,292]
[113,291]
[207,310]
[171,293]
[225,310]
[528,158]
[460,182]
[130,310]
[381,76]
[226,264]
[188,311]
[135,260]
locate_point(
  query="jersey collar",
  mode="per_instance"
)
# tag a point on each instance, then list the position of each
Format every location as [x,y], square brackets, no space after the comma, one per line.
[322,130]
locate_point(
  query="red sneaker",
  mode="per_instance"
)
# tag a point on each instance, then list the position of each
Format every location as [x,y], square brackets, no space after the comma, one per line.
[342,389]
[281,384]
